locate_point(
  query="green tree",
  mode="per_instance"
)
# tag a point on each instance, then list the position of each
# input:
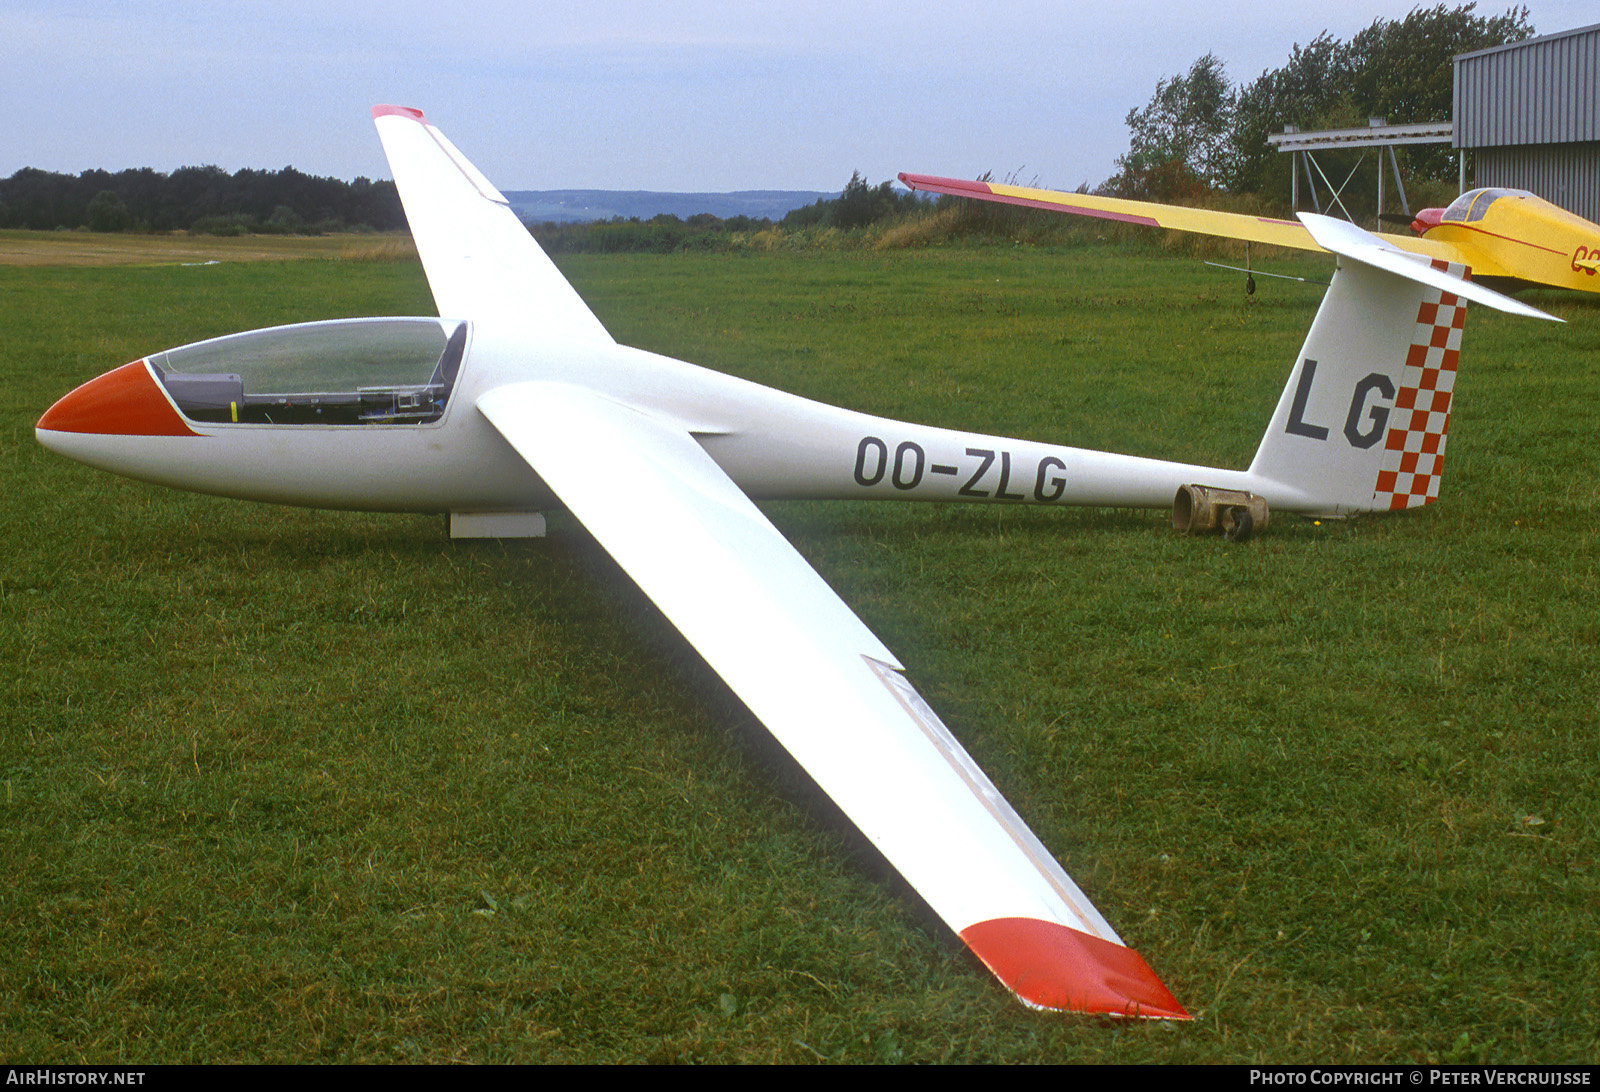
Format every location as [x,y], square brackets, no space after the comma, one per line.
[1398,69]
[1180,138]
[860,204]
[106,212]
[1311,91]
[283,221]
[1198,133]
[1402,70]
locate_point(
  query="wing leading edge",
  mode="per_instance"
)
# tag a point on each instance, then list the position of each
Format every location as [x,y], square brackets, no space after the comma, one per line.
[480,260]
[1227,225]
[828,690]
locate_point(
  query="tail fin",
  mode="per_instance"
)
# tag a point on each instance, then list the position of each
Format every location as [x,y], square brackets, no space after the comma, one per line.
[1362,424]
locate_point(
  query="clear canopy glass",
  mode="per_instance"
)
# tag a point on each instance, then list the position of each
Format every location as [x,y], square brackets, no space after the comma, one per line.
[1470,206]
[343,372]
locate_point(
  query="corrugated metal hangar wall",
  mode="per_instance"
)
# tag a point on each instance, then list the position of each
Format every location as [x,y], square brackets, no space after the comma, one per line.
[1530,112]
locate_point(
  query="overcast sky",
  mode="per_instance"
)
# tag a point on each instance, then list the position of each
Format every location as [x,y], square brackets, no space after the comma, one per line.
[615,94]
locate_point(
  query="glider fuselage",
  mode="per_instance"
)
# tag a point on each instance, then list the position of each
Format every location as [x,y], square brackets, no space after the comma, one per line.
[772,444]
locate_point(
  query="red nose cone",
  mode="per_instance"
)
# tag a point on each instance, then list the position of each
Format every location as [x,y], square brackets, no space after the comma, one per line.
[1426,220]
[124,402]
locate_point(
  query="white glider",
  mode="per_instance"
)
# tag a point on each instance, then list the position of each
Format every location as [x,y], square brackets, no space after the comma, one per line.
[517,401]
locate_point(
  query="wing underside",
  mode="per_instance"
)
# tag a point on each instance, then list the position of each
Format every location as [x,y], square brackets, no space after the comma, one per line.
[1228,225]
[827,689]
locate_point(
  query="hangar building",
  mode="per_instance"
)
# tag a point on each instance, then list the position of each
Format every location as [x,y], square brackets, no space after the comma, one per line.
[1530,112]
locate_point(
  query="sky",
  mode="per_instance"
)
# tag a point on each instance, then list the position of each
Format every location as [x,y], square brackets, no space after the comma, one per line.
[696,95]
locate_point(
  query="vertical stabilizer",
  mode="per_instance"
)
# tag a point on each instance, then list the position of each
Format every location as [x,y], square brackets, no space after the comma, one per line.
[1362,423]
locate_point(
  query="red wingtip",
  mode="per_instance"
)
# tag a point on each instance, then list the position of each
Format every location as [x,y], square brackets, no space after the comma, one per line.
[123,402]
[407,112]
[955,186]
[1055,967]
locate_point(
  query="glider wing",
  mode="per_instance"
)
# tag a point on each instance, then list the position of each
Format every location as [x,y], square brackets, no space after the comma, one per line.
[480,260]
[827,689]
[1228,225]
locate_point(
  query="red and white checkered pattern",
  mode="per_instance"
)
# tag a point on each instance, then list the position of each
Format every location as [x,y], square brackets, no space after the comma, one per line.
[1413,454]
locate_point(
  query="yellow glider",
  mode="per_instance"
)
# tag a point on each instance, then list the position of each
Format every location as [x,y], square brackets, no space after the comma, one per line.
[1501,234]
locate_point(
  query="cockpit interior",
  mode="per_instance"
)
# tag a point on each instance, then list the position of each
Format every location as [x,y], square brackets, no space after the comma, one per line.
[383,371]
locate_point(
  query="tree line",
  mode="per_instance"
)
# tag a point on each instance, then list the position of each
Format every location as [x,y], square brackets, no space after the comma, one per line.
[1199,133]
[200,199]
[210,200]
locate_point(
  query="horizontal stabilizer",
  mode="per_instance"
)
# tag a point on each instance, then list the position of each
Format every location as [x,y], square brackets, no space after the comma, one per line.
[1345,239]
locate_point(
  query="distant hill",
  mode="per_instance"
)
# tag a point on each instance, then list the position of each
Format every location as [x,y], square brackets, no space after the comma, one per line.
[569,206]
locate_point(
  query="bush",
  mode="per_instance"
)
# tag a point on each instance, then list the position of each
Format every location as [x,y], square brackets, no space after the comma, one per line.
[106,212]
[236,223]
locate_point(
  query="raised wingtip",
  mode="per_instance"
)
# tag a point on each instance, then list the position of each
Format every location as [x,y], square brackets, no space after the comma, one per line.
[945,185]
[1052,966]
[398,111]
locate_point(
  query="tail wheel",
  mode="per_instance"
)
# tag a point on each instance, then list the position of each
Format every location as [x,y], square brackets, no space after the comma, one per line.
[1237,524]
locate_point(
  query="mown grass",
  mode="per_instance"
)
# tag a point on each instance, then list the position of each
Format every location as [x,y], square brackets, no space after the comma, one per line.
[290,786]
[87,248]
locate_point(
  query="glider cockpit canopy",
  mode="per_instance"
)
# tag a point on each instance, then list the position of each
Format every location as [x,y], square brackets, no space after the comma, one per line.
[383,371]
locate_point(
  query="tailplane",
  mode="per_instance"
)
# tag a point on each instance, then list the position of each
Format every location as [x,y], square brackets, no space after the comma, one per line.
[1362,424]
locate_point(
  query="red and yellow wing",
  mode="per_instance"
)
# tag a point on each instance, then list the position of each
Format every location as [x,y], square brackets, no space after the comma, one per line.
[1228,225]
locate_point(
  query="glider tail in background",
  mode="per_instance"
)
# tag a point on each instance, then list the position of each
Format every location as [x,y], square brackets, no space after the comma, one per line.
[1362,423]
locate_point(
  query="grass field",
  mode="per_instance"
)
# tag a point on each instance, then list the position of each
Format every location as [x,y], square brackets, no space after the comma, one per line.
[280,785]
[85,248]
